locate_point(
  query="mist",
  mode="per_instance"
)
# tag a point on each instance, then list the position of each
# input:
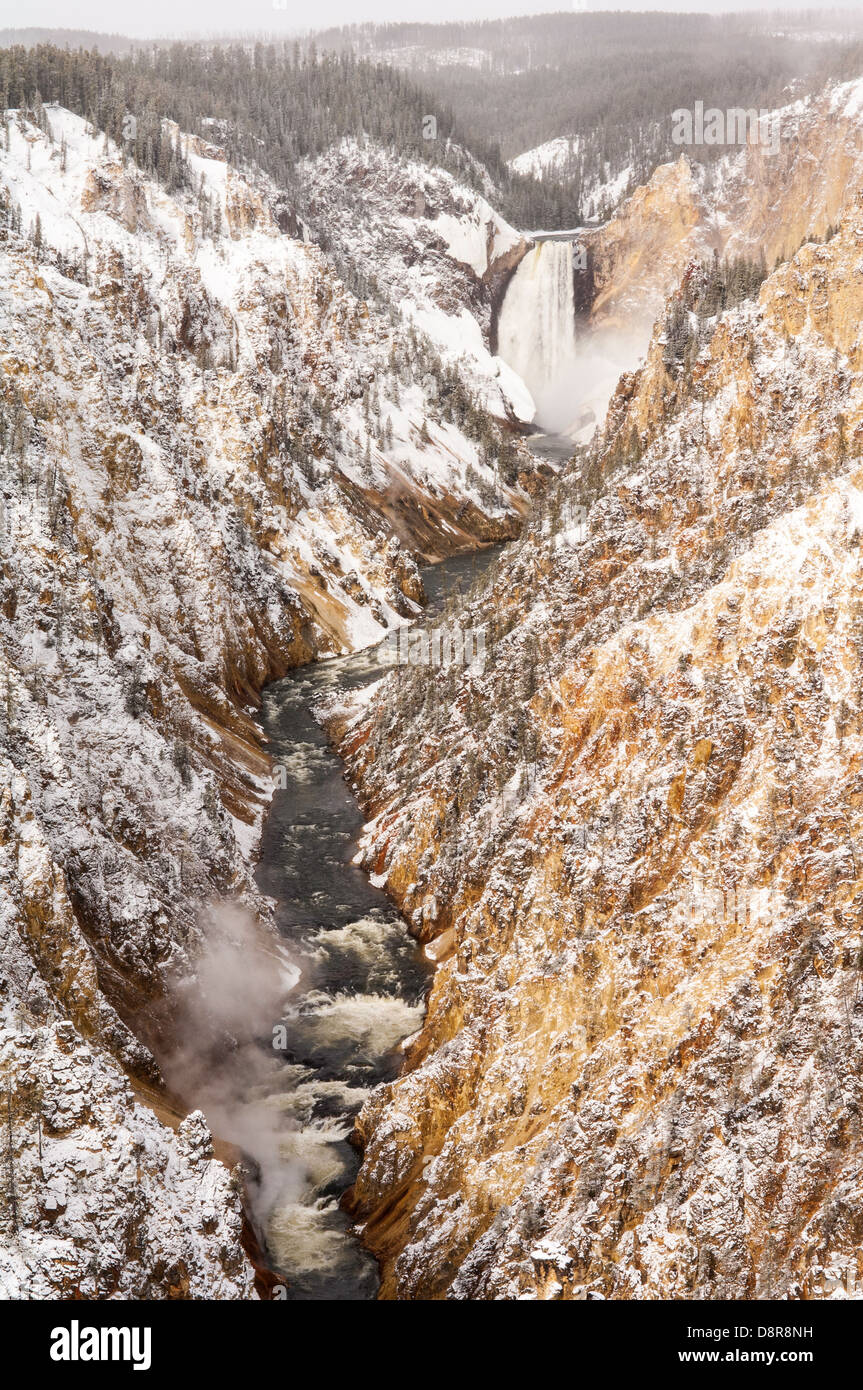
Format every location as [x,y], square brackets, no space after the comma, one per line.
[579,399]
[188,18]
[222,1058]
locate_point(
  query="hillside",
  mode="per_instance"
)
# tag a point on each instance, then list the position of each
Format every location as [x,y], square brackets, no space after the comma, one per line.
[583,101]
[217,463]
[636,864]
[755,204]
[249,386]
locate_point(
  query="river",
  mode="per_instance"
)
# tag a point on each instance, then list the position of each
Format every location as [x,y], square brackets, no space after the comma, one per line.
[363,981]
[363,978]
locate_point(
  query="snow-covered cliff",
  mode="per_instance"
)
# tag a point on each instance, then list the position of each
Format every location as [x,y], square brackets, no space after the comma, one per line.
[637,862]
[216,462]
[435,247]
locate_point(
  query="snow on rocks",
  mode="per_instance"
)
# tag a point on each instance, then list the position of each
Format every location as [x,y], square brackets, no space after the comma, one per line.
[639,1075]
[206,444]
[435,247]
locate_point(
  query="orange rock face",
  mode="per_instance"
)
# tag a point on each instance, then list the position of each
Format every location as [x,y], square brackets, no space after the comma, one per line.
[635,841]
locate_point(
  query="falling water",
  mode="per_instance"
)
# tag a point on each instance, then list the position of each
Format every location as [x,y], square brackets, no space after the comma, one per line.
[536,331]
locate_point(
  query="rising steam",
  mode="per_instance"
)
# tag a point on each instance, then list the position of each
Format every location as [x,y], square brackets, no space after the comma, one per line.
[221,1057]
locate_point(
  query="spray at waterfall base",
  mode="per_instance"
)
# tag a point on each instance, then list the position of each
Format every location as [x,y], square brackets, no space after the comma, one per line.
[569,365]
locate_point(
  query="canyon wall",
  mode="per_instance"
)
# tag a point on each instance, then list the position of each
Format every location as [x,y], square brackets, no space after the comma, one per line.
[632,844]
[762,199]
[217,462]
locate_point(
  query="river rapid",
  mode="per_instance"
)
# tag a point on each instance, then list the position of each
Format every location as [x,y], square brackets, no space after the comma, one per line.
[363,977]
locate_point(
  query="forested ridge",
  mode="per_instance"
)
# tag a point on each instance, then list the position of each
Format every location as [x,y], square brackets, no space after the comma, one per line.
[609,82]
[272,105]
[495,89]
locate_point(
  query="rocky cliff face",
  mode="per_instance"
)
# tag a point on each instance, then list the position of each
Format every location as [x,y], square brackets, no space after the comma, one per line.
[432,245]
[765,198]
[217,462]
[787,186]
[632,844]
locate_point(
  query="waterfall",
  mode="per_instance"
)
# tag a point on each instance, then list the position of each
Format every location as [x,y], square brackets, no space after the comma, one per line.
[536,331]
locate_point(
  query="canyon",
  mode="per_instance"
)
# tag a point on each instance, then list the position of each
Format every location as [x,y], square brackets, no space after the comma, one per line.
[629,845]
[218,463]
[632,843]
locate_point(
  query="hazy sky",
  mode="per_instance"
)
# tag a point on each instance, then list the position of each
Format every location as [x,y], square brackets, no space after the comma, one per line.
[287,16]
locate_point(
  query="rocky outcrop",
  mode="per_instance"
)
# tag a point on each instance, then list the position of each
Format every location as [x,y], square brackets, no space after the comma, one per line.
[632,844]
[99,1199]
[767,199]
[433,245]
[207,447]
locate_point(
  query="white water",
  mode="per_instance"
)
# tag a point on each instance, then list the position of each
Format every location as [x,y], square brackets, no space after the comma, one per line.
[359,995]
[536,332]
